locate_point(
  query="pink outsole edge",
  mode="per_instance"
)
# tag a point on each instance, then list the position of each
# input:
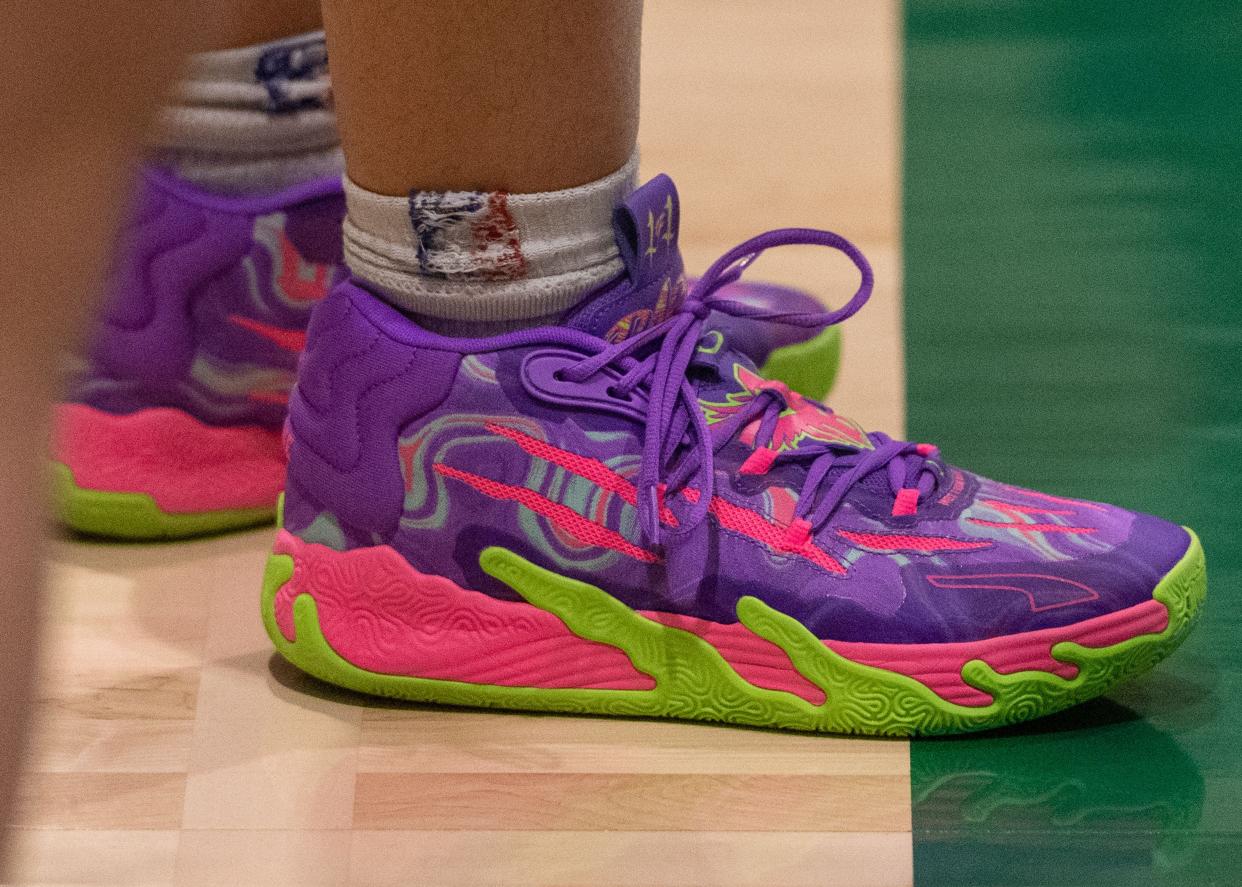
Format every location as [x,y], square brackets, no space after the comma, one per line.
[382,615]
[185,465]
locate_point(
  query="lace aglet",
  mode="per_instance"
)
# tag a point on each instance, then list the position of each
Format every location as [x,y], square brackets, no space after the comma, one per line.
[759,461]
[797,535]
[906,503]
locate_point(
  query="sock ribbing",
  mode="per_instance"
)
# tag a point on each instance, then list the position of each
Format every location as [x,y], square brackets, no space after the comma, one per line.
[471,260]
[255,118]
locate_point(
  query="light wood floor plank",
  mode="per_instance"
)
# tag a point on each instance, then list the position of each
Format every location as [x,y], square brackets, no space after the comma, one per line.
[68,742]
[425,740]
[121,801]
[625,859]
[630,802]
[112,857]
[304,858]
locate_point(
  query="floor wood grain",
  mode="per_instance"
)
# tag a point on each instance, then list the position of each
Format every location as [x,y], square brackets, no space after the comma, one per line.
[172,748]
[629,802]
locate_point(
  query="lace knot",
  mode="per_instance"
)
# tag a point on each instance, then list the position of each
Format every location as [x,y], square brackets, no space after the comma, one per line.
[678,447]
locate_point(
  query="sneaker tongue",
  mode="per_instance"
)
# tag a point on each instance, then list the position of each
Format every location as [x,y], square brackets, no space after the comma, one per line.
[803,422]
[654,282]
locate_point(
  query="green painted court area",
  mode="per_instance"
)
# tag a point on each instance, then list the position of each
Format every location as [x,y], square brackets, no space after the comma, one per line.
[1074,322]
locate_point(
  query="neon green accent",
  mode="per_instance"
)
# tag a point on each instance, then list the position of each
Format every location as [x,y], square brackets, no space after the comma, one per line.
[714,412]
[136,516]
[802,419]
[693,681]
[717,338]
[808,367]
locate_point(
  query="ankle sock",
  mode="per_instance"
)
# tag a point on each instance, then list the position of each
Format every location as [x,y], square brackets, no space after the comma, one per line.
[471,263]
[258,118]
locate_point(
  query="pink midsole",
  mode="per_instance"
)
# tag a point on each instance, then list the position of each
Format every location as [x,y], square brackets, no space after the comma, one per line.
[184,465]
[382,615]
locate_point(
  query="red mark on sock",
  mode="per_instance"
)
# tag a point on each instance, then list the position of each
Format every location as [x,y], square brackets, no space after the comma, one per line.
[496,234]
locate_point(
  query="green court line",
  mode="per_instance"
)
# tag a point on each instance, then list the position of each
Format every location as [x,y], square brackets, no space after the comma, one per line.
[1073,322]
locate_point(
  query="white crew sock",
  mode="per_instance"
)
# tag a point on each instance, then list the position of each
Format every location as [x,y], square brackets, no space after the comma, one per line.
[479,262]
[258,118]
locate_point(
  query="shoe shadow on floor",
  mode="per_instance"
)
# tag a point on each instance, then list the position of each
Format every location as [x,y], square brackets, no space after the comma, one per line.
[175,593]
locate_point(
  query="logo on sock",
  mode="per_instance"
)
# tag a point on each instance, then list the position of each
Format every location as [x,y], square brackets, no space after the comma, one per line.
[292,61]
[466,234]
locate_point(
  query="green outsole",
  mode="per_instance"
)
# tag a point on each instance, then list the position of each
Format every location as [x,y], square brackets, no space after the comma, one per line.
[808,367]
[694,682]
[136,516]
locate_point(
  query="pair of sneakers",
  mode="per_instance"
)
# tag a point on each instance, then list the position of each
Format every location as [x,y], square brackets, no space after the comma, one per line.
[632,512]
[171,425]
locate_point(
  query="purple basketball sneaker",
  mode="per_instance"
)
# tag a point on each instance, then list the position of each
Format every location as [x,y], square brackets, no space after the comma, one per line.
[627,518]
[171,426]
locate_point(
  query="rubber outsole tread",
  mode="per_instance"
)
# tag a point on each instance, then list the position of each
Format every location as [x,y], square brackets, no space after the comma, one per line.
[694,682]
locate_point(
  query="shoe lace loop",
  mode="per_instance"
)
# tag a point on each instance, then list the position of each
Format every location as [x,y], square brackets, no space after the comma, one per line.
[678,445]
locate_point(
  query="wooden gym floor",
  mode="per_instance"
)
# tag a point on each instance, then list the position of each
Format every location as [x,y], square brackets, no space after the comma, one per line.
[172,746]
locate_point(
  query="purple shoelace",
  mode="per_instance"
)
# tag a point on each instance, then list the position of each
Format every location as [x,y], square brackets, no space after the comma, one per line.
[679,448]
